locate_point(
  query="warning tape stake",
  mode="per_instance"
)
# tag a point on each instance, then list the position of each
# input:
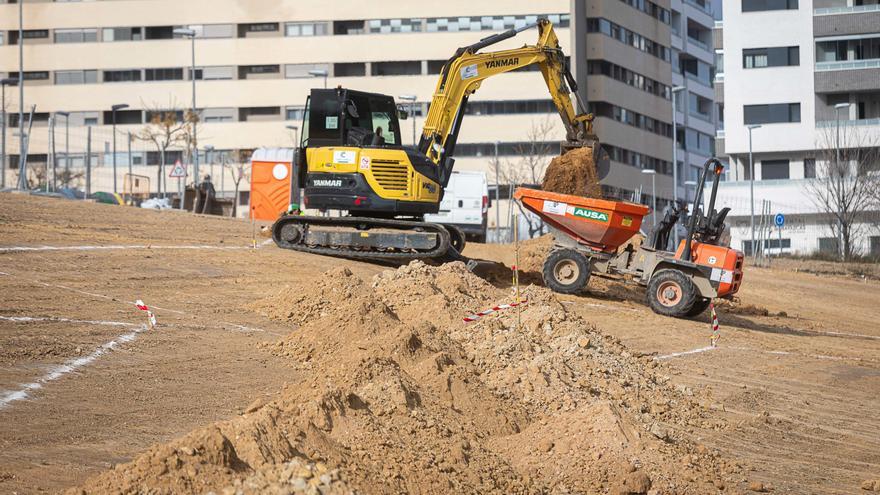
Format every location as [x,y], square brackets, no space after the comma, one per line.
[716,333]
[500,307]
[150,316]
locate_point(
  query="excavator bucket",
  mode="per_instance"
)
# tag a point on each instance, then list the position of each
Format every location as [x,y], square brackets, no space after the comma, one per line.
[601,160]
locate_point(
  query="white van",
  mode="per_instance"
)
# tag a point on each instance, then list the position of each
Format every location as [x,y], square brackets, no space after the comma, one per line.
[465,204]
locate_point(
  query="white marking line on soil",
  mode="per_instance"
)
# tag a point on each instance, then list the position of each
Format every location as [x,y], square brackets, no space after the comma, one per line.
[28,319]
[9,249]
[685,353]
[235,326]
[63,369]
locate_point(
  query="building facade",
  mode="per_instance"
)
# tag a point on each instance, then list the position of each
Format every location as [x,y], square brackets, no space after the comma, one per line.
[255,62]
[805,76]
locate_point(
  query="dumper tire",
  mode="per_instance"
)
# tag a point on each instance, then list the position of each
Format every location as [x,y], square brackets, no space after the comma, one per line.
[671,293]
[700,305]
[566,271]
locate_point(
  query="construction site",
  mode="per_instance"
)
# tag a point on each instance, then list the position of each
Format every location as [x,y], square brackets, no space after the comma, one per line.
[351,320]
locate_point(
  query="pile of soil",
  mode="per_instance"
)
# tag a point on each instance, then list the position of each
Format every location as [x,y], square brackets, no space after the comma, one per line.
[573,173]
[394,393]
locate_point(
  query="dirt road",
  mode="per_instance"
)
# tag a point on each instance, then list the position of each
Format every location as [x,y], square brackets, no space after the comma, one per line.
[84,386]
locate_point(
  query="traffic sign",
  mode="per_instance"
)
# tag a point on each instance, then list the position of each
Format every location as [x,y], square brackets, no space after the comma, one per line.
[779,219]
[179,170]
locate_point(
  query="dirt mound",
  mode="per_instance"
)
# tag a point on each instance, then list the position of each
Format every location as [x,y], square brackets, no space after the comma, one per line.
[573,173]
[394,393]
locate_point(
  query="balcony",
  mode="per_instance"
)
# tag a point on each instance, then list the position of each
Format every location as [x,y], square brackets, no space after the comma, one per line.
[843,20]
[847,76]
[821,124]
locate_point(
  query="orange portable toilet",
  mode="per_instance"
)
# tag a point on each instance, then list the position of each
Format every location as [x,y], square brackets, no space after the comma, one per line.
[271,182]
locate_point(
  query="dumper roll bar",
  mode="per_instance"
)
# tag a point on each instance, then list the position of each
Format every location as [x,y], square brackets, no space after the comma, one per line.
[696,211]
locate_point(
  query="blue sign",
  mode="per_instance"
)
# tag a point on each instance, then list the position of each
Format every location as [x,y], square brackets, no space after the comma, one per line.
[779,219]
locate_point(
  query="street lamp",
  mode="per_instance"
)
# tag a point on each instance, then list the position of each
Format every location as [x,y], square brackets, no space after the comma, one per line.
[113,109]
[3,83]
[653,174]
[837,109]
[675,90]
[320,73]
[191,34]
[412,113]
[752,186]
[295,130]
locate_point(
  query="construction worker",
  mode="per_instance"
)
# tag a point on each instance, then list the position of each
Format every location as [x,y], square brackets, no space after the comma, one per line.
[294,209]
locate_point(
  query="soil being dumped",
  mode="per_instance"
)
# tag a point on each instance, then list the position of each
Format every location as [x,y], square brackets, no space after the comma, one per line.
[573,173]
[392,392]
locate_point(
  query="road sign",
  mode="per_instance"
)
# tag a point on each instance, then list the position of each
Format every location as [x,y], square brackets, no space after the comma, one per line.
[179,170]
[779,219]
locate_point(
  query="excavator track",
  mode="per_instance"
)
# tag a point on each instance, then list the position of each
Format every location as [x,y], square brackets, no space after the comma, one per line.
[355,238]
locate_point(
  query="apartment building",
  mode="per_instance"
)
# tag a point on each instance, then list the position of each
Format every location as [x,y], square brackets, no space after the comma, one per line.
[256,61]
[804,72]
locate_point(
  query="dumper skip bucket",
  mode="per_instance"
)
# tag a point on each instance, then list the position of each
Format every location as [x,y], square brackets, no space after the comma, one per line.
[596,223]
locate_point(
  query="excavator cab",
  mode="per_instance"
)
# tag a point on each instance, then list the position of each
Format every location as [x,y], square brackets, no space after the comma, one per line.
[345,117]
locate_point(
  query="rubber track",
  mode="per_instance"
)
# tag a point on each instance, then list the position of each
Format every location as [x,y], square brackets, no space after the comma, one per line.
[440,252]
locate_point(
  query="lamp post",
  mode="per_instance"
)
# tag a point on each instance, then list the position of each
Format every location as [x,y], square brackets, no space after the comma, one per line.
[320,73]
[653,174]
[837,109]
[412,113]
[675,90]
[22,144]
[3,83]
[295,130]
[191,34]
[113,110]
[752,188]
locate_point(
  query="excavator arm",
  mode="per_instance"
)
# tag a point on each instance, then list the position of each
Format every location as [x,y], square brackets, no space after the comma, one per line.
[463,74]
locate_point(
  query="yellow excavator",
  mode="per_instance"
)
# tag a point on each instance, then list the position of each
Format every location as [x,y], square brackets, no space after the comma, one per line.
[351,158]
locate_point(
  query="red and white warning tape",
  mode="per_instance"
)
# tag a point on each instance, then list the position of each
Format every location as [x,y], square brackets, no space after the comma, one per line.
[716,334]
[150,316]
[475,317]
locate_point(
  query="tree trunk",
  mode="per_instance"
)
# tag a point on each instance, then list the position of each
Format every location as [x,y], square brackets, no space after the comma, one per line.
[235,202]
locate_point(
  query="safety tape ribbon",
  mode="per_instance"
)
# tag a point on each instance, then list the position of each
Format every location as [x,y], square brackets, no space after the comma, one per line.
[475,317]
[716,334]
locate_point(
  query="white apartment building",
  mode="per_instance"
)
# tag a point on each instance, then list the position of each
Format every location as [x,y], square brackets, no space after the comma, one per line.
[256,61]
[789,66]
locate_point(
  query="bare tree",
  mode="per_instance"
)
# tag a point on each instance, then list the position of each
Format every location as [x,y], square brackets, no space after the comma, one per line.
[167,128]
[528,169]
[239,169]
[846,183]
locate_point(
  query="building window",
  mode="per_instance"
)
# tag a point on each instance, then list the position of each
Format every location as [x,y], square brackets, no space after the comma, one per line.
[76,76]
[75,35]
[248,71]
[774,169]
[348,27]
[305,29]
[394,25]
[754,58]
[294,113]
[408,68]
[626,116]
[215,73]
[296,71]
[38,75]
[625,36]
[626,76]
[124,117]
[491,23]
[172,74]
[875,245]
[771,114]
[350,69]
[246,114]
[829,245]
[260,27]
[159,33]
[121,34]
[761,5]
[809,168]
[213,30]
[122,75]
[218,115]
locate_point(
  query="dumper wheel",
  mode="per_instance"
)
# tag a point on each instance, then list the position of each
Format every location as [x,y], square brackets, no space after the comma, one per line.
[671,293]
[566,271]
[700,305]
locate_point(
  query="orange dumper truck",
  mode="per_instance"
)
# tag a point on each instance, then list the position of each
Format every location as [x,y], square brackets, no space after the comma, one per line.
[588,235]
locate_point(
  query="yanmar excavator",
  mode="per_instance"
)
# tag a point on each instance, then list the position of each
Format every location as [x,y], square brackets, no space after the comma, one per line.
[351,158]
